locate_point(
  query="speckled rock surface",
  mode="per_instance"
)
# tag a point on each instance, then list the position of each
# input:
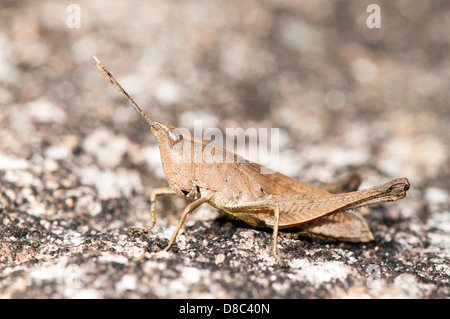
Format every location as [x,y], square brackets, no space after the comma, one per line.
[77,165]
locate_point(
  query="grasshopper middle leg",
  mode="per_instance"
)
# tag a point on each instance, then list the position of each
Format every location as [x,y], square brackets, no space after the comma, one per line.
[271,205]
[188,209]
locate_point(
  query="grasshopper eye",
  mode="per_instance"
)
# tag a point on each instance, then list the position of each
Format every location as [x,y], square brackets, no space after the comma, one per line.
[176,140]
[175,136]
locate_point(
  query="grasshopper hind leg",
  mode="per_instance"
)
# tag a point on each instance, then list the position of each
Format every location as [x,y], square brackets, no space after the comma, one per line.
[276,222]
[275,208]
[346,184]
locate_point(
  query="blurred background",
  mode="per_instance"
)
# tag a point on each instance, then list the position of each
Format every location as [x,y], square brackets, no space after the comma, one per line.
[341,93]
[345,97]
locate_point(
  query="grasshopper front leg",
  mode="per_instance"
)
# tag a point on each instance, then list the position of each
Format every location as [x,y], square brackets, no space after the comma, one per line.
[156,192]
[188,209]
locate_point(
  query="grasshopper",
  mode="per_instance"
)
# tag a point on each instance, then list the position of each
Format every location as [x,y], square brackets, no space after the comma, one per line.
[236,186]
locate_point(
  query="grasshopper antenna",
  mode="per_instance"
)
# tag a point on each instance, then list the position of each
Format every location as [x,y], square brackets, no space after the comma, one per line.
[119,88]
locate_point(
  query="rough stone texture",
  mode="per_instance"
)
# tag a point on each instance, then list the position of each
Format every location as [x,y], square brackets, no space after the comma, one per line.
[77,165]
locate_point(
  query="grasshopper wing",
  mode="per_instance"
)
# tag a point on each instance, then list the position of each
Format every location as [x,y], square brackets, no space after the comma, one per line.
[276,183]
[345,226]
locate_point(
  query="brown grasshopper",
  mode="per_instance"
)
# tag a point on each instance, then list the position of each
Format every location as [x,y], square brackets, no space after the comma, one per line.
[236,186]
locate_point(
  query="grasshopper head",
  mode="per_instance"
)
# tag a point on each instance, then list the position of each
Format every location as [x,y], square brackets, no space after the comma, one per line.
[170,138]
[176,148]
